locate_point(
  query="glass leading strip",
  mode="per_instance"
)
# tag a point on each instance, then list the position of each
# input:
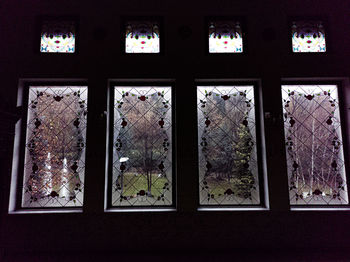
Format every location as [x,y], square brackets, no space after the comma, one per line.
[55,147]
[228,168]
[142,147]
[314,146]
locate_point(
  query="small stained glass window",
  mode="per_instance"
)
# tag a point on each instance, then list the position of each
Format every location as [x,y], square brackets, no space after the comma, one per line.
[142,37]
[55,147]
[142,147]
[314,145]
[308,36]
[58,37]
[228,161]
[225,37]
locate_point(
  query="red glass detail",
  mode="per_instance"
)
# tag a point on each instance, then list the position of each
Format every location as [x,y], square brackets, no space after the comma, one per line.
[309,97]
[225,97]
[161,122]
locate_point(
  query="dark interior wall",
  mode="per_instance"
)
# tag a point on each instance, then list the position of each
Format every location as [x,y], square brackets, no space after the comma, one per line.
[98,58]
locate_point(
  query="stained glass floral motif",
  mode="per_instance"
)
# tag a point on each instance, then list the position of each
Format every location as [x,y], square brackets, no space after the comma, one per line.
[308,36]
[225,37]
[314,146]
[55,147]
[228,165]
[142,37]
[142,147]
[58,37]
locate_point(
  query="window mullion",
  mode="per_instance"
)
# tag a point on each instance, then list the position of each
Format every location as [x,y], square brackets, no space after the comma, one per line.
[186,143]
[275,149]
[96,146]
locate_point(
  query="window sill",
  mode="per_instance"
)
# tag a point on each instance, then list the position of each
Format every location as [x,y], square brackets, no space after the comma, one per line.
[46,211]
[320,208]
[233,209]
[121,210]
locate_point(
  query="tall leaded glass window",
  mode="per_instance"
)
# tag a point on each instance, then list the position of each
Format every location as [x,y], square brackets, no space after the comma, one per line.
[142,37]
[55,146]
[225,37]
[227,146]
[314,145]
[142,146]
[57,37]
[308,36]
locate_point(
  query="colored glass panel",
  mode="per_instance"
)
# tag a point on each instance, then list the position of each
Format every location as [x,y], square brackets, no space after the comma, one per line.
[225,37]
[57,37]
[308,36]
[142,37]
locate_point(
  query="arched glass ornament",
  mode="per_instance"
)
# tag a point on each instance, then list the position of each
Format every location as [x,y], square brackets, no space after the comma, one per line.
[225,37]
[142,37]
[308,37]
[57,37]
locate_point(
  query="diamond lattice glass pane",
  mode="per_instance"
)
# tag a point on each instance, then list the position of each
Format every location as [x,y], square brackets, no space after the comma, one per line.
[142,147]
[314,146]
[58,37]
[228,165]
[225,37]
[55,147]
[142,37]
[308,36]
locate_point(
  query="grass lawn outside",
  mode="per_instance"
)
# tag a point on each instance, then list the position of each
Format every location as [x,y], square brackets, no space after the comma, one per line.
[239,186]
[134,183]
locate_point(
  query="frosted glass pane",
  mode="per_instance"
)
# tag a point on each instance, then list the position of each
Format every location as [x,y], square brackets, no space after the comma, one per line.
[142,37]
[228,163]
[58,37]
[142,147]
[314,146]
[55,147]
[308,37]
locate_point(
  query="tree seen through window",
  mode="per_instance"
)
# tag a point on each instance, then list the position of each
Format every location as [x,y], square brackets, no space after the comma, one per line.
[228,167]
[314,145]
[55,147]
[142,169]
